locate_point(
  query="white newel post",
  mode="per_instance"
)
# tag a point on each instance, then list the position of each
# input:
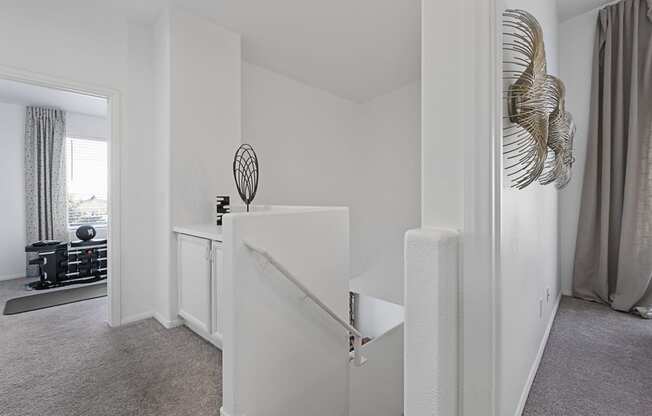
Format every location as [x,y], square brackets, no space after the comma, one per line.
[431,322]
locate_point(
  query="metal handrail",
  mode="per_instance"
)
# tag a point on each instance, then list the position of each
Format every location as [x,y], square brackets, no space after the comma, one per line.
[357,336]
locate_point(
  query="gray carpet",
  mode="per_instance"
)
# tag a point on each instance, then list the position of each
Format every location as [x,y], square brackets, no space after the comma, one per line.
[65,361]
[598,362]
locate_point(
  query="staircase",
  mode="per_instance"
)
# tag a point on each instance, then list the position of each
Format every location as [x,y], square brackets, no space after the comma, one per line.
[286,344]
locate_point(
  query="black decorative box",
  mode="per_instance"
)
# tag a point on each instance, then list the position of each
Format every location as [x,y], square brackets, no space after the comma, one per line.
[222,207]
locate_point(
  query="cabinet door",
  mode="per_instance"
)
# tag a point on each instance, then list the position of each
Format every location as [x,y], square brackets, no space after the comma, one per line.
[217,290]
[194,271]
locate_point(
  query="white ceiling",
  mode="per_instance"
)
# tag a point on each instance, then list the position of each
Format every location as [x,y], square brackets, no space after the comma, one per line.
[26,94]
[356,49]
[568,9]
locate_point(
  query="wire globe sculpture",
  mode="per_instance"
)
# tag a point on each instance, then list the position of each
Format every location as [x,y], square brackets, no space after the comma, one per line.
[245,173]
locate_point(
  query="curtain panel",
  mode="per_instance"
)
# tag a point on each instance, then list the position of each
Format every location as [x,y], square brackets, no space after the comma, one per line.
[613,259]
[45,175]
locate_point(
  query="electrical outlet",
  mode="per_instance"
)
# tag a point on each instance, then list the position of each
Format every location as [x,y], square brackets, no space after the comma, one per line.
[547,295]
[540,308]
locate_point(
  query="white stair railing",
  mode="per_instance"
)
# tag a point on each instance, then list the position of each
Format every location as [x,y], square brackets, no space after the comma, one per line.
[358,359]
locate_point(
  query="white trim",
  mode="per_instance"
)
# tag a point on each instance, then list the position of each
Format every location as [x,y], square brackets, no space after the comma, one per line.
[480,237]
[193,323]
[497,63]
[200,330]
[216,340]
[537,360]
[89,138]
[137,317]
[12,276]
[115,218]
[222,412]
[167,324]
[113,97]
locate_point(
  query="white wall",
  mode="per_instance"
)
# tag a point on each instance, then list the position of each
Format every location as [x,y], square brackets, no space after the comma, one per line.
[377,386]
[387,193]
[303,137]
[442,114]
[138,176]
[319,149]
[283,355]
[529,258]
[198,81]
[164,244]
[96,47]
[12,191]
[374,316]
[77,42]
[576,68]
[205,115]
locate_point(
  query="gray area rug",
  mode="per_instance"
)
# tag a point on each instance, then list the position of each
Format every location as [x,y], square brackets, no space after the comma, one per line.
[49,298]
[598,362]
[66,361]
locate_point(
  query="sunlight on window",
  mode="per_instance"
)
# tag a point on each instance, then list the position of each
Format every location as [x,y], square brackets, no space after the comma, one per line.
[86,169]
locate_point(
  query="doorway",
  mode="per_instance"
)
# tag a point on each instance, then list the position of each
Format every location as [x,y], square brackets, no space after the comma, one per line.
[87,252]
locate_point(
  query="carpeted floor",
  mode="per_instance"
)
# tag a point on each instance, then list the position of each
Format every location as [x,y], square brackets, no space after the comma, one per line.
[598,362]
[66,361]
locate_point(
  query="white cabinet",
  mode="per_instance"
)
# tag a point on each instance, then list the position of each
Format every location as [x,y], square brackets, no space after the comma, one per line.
[217,288]
[199,273]
[194,267]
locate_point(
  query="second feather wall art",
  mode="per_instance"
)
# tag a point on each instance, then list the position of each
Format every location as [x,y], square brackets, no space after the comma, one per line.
[537,130]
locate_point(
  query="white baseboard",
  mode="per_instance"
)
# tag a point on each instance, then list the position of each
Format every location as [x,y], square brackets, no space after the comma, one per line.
[12,276]
[537,360]
[168,324]
[200,329]
[137,317]
[223,413]
[193,323]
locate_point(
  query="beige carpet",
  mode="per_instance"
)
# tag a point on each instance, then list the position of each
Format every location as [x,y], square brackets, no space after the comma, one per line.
[66,361]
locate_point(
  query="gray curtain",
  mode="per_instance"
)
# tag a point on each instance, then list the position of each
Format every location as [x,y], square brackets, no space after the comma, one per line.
[45,175]
[613,260]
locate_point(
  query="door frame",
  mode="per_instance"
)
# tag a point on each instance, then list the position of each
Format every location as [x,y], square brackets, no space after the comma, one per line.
[481,250]
[113,97]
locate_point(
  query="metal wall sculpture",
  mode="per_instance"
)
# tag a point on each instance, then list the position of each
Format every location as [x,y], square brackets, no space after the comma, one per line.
[561,131]
[245,173]
[538,132]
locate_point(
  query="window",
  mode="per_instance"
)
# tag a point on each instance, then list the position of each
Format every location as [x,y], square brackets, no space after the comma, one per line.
[86,172]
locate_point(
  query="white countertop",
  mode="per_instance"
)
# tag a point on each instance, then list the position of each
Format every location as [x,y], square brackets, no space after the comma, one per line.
[207,231]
